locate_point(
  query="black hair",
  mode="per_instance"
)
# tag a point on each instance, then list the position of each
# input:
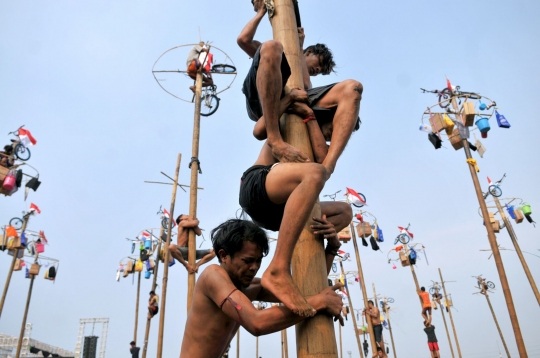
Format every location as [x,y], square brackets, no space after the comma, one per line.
[152,293]
[325,57]
[379,349]
[230,237]
[8,149]
[371,302]
[132,342]
[422,288]
[178,219]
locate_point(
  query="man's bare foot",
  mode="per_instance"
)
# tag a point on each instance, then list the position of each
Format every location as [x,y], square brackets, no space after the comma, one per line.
[302,110]
[190,268]
[286,153]
[192,88]
[283,287]
[298,95]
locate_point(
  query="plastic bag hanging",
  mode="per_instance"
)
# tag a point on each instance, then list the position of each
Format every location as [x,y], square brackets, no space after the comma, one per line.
[480,147]
[510,209]
[501,120]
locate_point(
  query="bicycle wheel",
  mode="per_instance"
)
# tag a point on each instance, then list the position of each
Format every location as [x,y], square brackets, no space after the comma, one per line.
[432,290]
[221,67]
[22,152]
[334,267]
[404,238]
[17,223]
[490,284]
[390,300]
[495,190]
[363,198]
[164,223]
[209,104]
[444,96]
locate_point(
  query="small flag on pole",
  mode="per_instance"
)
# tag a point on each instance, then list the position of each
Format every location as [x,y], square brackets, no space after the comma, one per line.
[42,237]
[34,208]
[355,198]
[26,137]
[168,216]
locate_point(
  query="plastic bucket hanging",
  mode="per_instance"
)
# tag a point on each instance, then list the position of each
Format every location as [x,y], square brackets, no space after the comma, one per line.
[9,182]
[147,244]
[483,125]
[482,106]
[40,248]
[147,274]
[526,208]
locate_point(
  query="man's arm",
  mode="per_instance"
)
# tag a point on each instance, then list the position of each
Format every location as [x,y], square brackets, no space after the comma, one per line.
[373,312]
[318,143]
[245,39]
[217,285]
[191,224]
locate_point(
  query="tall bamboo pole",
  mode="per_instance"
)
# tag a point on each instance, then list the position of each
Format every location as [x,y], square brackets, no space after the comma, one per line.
[390,329]
[154,285]
[315,337]
[450,314]
[513,237]
[25,316]
[12,266]
[285,344]
[413,272]
[356,333]
[257,347]
[497,324]
[363,288]
[340,341]
[238,343]
[376,304]
[137,307]
[444,320]
[166,261]
[195,168]
[494,248]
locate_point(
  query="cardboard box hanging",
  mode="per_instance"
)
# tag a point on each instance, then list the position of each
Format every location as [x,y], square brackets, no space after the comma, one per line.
[468,114]
[364,229]
[437,122]
[455,139]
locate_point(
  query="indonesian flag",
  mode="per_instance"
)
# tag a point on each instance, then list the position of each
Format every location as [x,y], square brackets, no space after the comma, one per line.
[145,235]
[34,208]
[26,138]
[354,197]
[42,237]
[168,216]
[448,84]
[405,231]
[489,181]
[341,253]
[360,217]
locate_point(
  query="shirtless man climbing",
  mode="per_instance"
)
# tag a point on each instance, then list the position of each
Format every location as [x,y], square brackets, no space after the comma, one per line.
[223,293]
[180,251]
[281,197]
[375,316]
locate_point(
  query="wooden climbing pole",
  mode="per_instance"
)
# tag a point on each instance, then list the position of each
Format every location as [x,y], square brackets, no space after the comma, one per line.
[315,337]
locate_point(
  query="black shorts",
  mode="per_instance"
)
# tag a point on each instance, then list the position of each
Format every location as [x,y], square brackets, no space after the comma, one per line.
[199,254]
[377,331]
[254,199]
[253,103]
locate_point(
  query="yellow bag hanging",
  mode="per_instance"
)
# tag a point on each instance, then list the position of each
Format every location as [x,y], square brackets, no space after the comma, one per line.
[375,233]
[449,124]
[138,266]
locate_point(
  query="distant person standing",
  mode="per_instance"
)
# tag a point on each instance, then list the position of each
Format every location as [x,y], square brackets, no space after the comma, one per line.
[426,305]
[432,340]
[134,350]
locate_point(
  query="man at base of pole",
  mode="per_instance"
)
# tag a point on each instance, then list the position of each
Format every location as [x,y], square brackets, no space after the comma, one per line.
[375,316]
[223,294]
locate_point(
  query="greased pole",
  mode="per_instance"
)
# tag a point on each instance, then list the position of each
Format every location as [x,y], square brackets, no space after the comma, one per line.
[450,314]
[356,333]
[315,337]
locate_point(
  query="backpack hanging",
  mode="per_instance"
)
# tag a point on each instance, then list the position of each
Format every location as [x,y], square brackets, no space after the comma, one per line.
[435,140]
[144,255]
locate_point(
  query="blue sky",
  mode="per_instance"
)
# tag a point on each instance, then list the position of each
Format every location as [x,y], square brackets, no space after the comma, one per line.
[78,75]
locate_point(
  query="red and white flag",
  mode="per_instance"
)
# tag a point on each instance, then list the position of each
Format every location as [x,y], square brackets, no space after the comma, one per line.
[26,137]
[360,217]
[405,231]
[489,181]
[34,207]
[146,234]
[354,197]
[448,84]
[168,216]
[42,237]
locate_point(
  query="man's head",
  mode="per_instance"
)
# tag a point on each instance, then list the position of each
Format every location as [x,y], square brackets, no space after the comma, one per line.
[8,149]
[240,246]
[319,60]
[152,293]
[181,217]
[370,303]
[379,352]
[132,343]
[423,289]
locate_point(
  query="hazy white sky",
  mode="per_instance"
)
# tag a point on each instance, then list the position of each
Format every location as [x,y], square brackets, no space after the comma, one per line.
[78,75]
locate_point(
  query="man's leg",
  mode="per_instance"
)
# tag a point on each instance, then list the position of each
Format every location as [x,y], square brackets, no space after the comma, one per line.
[346,97]
[338,213]
[299,185]
[175,252]
[269,88]
[205,259]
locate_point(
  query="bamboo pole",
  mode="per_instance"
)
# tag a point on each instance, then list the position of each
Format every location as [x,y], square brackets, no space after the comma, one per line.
[315,337]
[363,288]
[257,347]
[494,248]
[137,307]
[450,314]
[356,333]
[444,320]
[238,343]
[413,272]
[12,266]
[497,324]
[285,344]
[340,341]
[195,168]
[513,237]
[390,329]
[154,285]
[26,308]
[166,262]
[376,304]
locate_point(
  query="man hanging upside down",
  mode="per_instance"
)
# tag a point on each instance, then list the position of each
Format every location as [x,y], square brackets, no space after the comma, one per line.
[281,197]
[180,251]
[223,293]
